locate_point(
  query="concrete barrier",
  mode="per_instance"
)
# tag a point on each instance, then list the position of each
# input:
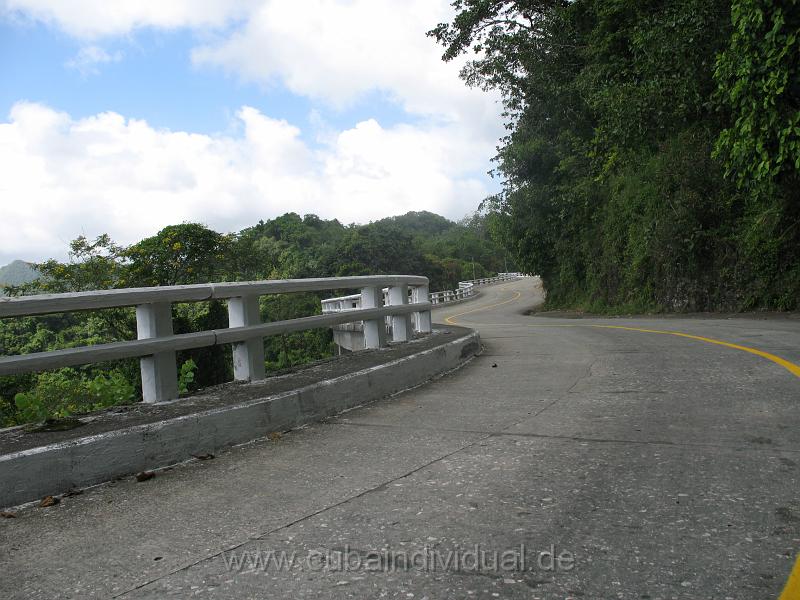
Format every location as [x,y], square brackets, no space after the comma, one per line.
[81,461]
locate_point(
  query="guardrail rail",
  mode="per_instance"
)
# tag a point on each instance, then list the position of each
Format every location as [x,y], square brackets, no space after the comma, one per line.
[466,289]
[347,336]
[404,296]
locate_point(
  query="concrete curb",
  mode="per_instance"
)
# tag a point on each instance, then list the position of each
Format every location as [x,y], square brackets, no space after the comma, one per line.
[55,468]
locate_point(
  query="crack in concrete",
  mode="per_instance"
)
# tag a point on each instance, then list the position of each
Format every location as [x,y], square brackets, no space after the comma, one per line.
[263,535]
[505,433]
[380,487]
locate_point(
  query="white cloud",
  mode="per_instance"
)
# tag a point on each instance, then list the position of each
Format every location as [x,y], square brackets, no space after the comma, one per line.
[89,58]
[95,18]
[337,51]
[61,177]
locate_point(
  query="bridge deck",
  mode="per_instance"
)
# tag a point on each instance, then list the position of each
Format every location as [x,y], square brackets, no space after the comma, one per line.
[665,466]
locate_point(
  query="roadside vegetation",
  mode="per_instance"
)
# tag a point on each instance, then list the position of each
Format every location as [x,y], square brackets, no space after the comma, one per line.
[653,155]
[289,246]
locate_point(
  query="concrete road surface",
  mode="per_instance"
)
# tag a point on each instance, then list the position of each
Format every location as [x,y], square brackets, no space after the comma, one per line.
[570,460]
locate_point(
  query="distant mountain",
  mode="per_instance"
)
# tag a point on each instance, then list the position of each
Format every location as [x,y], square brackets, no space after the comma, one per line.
[17,273]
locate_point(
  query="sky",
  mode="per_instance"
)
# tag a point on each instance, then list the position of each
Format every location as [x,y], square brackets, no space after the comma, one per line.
[123,117]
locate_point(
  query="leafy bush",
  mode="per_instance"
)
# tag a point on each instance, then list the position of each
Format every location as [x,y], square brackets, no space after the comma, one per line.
[66,392]
[186,376]
[759,79]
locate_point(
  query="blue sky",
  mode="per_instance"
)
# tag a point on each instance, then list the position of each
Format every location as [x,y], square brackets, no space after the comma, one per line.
[154,79]
[125,122]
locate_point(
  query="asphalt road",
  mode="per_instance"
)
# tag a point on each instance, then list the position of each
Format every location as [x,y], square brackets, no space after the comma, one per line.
[621,463]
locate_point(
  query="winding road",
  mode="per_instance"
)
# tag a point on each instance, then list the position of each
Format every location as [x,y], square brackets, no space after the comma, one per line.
[642,458]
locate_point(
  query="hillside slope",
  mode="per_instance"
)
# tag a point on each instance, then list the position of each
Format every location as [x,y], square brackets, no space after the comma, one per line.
[17,273]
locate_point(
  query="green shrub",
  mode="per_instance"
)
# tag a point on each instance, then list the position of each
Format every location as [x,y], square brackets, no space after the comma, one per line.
[66,392]
[186,376]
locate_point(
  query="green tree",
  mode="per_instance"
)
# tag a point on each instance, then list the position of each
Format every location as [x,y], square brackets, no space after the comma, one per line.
[613,109]
[178,255]
[759,83]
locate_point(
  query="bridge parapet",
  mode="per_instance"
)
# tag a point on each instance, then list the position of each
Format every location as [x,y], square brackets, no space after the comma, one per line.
[464,290]
[157,345]
[349,335]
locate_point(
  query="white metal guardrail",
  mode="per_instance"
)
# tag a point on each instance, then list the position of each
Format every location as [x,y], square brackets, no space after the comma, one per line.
[465,289]
[348,336]
[156,344]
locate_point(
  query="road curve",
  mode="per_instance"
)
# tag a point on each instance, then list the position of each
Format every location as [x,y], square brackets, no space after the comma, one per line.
[678,443]
[649,458]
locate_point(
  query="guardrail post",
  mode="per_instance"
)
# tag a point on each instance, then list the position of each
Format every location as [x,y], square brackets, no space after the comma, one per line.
[420,294]
[248,356]
[374,329]
[401,324]
[159,371]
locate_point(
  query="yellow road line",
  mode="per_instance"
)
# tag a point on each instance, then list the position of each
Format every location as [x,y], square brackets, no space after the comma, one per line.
[793,368]
[792,589]
[789,366]
[449,320]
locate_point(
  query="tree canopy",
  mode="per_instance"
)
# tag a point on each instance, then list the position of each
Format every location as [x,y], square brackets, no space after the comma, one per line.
[652,155]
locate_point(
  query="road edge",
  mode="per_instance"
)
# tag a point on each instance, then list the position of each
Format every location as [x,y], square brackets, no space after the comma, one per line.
[56,468]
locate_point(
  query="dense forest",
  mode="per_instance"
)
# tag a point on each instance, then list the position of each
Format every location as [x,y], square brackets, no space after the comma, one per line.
[289,246]
[652,160]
